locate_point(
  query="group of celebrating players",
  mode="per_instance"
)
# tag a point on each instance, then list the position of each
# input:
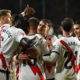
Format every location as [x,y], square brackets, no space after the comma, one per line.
[30,51]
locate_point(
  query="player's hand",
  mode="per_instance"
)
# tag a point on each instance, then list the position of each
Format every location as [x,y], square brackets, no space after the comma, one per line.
[33,53]
[22,56]
[29,10]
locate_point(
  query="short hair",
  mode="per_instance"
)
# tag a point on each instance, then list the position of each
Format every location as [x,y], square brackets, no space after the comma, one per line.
[48,22]
[4,12]
[67,24]
[45,21]
[33,22]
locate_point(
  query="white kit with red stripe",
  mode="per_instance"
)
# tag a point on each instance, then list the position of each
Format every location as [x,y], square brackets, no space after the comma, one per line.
[50,70]
[9,41]
[66,47]
[33,69]
[31,72]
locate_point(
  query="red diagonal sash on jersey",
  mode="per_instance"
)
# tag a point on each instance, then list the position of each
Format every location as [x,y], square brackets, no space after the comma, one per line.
[35,69]
[1,55]
[3,61]
[17,73]
[76,69]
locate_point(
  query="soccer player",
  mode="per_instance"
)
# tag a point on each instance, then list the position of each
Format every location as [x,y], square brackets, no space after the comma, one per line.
[20,20]
[33,67]
[77,29]
[46,30]
[77,33]
[63,51]
[10,38]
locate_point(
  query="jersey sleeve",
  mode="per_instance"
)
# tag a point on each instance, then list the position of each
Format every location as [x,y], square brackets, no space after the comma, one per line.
[44,47]
[56,47]
[54,53]
[42,44]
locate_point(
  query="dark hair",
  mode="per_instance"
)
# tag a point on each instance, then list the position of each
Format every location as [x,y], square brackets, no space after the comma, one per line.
[19,21]
[77,22]
[45,21]
[4,12]
[67,24]
[33,22]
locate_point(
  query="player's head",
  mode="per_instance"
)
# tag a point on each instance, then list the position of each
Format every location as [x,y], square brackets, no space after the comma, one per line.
[77,28]
[67,24]
[33,23]
[43,27]
[5,16]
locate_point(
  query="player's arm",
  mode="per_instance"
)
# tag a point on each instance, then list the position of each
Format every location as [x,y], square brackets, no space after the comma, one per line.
[54,53]
[19,57]
[28,11]
[52,57]
[24,42]
[28,43]
[23,39]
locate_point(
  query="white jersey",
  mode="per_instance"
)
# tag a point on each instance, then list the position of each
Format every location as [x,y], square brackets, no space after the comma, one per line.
[41,46]
[35,71]
[50,70]
[78,65]
[31,72]
[64,67]
[78,62]
[10,39]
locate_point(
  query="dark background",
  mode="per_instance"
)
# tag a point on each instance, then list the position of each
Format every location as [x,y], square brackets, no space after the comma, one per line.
[55,10]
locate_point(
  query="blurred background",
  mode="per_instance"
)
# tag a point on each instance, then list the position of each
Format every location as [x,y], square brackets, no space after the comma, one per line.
[54,10]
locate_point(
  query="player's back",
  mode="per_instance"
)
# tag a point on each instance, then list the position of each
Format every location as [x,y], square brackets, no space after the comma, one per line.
[35,70]
[64,67]
[9,42]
